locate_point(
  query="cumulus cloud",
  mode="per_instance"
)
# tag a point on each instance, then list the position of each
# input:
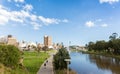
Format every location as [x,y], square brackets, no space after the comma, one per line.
[108,1]
[96,23]
[25,16]
[90,24]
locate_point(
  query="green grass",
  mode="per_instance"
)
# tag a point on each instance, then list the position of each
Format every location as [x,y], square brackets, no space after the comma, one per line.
[33,61]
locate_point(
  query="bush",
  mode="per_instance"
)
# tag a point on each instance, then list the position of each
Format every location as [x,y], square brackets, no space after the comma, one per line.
[59,59]
[9,55]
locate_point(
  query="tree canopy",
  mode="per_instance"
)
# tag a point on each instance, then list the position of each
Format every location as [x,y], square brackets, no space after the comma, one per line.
[9,55]
[111,46]
[59,59]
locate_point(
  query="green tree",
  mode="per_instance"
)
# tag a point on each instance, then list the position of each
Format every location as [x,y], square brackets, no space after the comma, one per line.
[112,46]
[100,45]
[91,46]
[116,46]
[9,55]
[113,36]
[59,59]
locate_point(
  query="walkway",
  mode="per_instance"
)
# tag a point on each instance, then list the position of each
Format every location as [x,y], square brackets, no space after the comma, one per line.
[48,69]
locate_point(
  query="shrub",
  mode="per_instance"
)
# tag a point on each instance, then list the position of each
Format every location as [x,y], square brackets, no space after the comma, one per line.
[9,55]
[59,59]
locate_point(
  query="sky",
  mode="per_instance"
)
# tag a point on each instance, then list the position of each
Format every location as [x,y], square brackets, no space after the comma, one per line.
[77,21]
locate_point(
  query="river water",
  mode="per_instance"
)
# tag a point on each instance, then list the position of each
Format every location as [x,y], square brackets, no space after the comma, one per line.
[94,64]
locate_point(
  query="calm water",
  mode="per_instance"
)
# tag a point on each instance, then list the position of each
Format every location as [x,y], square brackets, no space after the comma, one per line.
[94,64]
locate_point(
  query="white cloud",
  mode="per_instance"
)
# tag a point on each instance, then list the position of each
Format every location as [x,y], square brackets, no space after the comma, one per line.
[3,20]
[28,7]
[20,1]
[108,1]
[36,26]
[96,23]
[24,16]
[48,21]
[33,17]
[104,25]
[90,24]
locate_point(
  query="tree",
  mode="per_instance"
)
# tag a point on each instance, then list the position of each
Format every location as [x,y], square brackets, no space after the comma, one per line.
[9,55]
[113,36]
[100,45]
[112,46]
[91,46]
[45,48]
[116,46]
[59,59]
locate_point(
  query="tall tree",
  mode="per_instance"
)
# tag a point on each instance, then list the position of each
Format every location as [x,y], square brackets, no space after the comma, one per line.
[113,36]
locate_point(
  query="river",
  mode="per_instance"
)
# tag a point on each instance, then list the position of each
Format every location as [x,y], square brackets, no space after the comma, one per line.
[94,64]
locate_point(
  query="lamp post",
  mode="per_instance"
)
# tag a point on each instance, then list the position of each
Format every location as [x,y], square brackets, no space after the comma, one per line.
[67,60]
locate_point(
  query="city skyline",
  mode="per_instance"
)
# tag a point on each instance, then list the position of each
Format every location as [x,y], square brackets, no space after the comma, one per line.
[78,21]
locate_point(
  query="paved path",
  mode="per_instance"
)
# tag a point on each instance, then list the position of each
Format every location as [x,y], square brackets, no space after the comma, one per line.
[48,69]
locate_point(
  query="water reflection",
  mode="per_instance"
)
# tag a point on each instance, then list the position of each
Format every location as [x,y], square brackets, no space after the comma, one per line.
[106,63]
[94,64]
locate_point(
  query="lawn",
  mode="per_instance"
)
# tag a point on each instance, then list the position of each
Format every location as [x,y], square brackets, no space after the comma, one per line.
[33,60]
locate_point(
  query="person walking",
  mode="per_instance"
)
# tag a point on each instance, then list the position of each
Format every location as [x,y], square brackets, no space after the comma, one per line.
[45,65]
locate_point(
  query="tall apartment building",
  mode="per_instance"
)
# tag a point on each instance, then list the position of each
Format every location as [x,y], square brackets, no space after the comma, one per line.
[47,41]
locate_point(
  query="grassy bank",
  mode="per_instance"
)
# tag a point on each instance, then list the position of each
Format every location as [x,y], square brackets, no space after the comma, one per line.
[7,70]
[33,60]
[102,53]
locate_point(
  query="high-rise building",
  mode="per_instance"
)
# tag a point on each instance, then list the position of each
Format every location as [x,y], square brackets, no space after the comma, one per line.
[47,41]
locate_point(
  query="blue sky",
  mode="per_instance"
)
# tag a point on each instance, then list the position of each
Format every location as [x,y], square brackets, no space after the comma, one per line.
[78,21]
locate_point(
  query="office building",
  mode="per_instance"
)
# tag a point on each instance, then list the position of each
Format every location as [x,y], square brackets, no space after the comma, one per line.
[47,41]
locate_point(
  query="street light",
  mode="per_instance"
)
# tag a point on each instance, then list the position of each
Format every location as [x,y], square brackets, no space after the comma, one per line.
[67,60]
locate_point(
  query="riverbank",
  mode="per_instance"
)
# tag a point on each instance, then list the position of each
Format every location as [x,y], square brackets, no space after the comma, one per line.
[101,53]
[8,70]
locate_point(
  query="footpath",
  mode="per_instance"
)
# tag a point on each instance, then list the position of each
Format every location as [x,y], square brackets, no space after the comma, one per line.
[47,66]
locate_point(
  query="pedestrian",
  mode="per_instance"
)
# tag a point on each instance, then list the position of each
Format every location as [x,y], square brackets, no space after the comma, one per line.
[47,61]
[45,65]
